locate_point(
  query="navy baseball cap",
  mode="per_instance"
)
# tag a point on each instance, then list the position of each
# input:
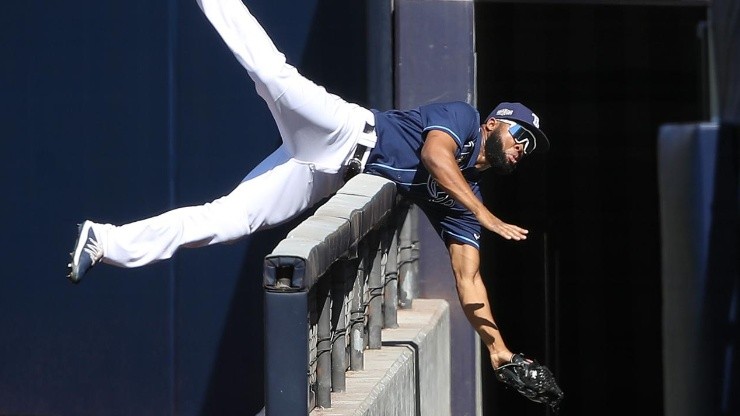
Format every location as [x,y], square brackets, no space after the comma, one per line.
[520,114]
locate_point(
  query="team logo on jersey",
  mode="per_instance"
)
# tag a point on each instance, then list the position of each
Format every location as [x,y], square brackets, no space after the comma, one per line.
[465,153]
[437,195]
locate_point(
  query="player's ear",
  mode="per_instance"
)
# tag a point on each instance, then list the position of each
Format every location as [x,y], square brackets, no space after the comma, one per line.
[491,123]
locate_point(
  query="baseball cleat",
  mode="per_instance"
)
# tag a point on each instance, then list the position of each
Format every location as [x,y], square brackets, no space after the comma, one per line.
[87,252]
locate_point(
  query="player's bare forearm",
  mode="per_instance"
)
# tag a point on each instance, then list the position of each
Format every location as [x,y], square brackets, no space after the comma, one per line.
[438,156]
[474,300]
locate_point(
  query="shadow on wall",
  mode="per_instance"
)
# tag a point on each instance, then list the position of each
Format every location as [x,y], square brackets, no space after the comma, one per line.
[236,383]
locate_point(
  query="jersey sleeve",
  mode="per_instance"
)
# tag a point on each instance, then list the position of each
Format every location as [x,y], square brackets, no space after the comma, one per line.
[458,119]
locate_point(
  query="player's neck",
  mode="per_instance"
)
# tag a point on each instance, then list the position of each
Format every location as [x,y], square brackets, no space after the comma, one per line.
[481,163]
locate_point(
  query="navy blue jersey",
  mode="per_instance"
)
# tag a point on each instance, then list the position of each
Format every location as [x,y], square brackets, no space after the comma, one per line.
[396,156]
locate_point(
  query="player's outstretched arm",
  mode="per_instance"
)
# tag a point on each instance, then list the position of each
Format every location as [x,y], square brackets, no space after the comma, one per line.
[528,377]
[474,300]
[438,156]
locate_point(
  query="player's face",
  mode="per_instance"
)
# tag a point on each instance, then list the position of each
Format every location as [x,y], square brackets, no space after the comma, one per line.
[503,153]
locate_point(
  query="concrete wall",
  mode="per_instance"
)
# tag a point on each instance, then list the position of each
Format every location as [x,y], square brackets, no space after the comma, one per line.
[409,375]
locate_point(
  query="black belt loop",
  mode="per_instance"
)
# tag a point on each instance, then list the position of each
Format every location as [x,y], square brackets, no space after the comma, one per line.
[369,128]
[354,165]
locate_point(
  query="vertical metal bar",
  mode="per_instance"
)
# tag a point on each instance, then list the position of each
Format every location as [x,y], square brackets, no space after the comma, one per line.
[323,346]
[312,348]
[408,261]
[375,291]
[350,277]
[339,309]
[286,337]
[415,249]
[390,293]
[357,328]
[404,254]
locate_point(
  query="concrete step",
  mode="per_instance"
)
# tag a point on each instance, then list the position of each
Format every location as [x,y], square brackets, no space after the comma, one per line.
[409,375]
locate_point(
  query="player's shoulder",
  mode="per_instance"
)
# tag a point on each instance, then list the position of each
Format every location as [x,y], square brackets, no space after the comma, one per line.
[449,106]
[453,110]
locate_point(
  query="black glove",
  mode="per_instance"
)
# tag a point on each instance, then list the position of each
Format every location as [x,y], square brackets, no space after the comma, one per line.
[531,379]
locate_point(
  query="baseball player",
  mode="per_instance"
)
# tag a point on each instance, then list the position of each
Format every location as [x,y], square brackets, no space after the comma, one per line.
[435,154]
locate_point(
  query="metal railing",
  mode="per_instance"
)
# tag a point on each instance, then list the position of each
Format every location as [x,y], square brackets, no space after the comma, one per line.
[331,286]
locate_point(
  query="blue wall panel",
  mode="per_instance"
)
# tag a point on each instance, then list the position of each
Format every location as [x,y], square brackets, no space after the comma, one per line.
[435,62]
[116,111]
[86,108]
[223,130]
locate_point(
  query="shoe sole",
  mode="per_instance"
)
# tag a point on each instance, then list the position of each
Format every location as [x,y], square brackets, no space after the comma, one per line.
[83,230]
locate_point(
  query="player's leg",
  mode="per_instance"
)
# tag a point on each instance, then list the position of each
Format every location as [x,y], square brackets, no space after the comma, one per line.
[304,112]
[277,190]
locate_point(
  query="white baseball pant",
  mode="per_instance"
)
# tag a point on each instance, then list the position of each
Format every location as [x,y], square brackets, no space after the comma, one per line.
[319,132]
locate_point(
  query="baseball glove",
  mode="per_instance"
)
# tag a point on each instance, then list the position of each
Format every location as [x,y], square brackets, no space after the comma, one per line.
[531,379]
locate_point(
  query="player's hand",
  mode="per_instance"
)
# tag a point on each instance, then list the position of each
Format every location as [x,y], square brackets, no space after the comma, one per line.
[507,231]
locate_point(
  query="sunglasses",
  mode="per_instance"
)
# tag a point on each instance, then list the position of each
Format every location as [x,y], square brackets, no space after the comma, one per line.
[521,136]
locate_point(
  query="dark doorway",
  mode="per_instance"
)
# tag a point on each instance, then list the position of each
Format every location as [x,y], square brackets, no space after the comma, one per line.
[583,293]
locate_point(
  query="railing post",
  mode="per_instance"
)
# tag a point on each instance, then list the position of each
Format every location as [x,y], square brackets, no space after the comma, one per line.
[339,296]
[375,291]
[390,292]
[313,337]
[357,318]
[414,213]
[286,382]
[323,344]
[408,259]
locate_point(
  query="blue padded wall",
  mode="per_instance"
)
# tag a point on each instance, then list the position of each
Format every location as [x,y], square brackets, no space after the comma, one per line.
[117,111]
[84,120]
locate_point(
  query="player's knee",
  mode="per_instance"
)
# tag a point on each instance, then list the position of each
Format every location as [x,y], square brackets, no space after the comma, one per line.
[465,277]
